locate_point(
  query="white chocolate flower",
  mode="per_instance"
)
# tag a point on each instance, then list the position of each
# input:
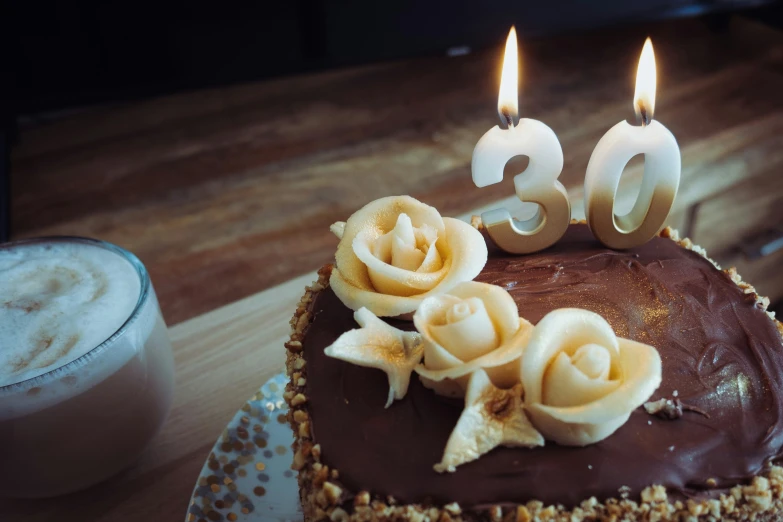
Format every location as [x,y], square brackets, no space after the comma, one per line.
[396,251]
[382,346]
[338,229]
[492,417]
[581,381]
[475,325]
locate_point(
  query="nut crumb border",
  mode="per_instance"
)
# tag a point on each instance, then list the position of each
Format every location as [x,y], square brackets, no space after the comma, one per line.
[323,498]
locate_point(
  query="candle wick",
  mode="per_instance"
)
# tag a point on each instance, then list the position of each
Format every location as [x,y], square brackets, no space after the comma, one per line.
[507,117]
[644,114]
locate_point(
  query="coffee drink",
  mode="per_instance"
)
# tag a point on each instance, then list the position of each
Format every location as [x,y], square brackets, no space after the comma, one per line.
[86,369]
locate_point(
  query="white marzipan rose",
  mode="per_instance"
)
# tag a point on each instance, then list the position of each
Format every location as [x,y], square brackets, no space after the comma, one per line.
[475,325]
[396,251]
[582,382]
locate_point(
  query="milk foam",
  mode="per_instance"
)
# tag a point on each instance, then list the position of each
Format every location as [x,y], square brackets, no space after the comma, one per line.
[58,301]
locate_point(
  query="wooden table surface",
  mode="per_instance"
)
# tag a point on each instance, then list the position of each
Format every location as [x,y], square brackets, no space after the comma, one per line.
[226,193]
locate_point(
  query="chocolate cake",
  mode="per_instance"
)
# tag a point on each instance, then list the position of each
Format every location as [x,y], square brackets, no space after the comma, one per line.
[705,444]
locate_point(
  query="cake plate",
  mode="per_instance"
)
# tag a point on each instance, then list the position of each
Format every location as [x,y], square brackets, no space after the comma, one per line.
[247,476]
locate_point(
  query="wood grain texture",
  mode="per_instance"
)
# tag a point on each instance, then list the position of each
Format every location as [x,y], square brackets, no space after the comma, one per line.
[228,192]
[225,192]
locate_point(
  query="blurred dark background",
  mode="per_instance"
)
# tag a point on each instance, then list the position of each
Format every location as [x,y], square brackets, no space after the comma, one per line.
[59,56]
[70,54]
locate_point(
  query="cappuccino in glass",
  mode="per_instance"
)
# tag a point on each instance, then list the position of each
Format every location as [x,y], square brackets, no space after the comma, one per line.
[86,369]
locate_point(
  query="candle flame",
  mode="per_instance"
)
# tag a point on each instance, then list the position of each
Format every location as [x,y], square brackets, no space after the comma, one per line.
[644,96]
[508,104]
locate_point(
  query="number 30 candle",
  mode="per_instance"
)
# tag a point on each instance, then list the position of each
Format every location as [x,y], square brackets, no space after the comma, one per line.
[661,170]
[538,183]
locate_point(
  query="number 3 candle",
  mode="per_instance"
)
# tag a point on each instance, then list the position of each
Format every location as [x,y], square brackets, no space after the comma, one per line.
[538,183]
[661,170]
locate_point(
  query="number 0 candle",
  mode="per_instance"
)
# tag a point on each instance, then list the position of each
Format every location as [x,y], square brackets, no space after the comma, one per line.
[538,183]
[611,155]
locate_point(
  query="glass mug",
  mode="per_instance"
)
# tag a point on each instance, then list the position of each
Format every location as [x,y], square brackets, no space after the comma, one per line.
[85,420]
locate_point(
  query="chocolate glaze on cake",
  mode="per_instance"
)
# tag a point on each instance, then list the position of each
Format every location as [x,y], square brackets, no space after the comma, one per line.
[720,352]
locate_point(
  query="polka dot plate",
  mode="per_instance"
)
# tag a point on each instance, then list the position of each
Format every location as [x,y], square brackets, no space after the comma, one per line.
[247,476]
